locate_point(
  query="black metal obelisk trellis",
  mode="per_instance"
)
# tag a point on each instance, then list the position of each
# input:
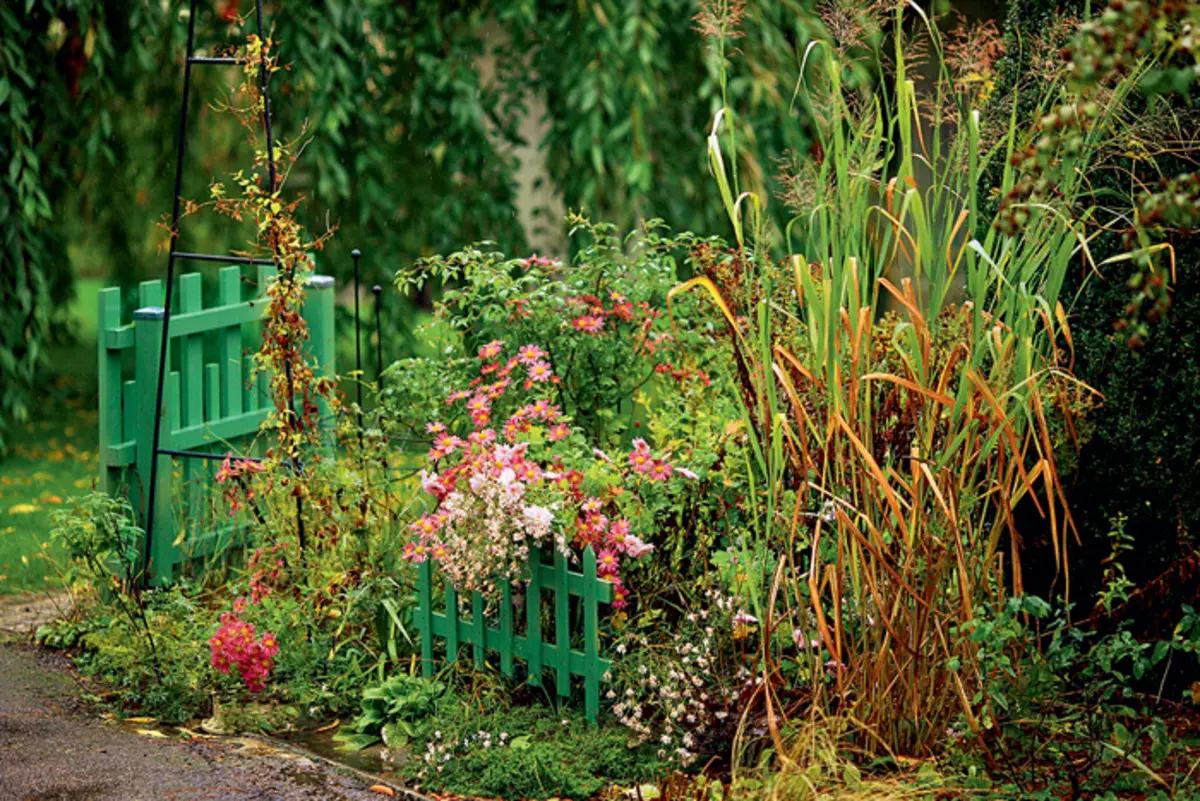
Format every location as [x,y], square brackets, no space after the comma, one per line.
[174,255]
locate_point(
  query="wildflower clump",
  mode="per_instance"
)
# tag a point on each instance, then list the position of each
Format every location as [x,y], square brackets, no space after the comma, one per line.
[508,472]
[236,645]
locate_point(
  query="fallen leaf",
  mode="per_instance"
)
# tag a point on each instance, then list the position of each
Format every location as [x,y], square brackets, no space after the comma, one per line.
[22,509]
[151,733]
[382,789]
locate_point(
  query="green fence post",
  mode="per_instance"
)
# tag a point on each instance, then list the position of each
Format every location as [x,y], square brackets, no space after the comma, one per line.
[451,623]
[591,636]
[322,337]
[110,389]
[478,630]
[506,624]
[562,621]
[148,323]
[533,618]
[425,616]
[229,343]
[191,371]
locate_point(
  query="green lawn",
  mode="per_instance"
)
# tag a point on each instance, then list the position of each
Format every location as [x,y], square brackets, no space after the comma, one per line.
[52,456]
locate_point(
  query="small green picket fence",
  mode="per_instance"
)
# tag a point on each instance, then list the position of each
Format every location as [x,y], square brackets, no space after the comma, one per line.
[209,403]
[510,640]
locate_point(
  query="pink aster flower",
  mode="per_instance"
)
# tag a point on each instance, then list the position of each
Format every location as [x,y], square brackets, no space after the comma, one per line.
[447,442]
[484,436]
[434,428]
[640,461]
[529,354]
[659,470]
[491,350]
[557,432]
[601,455]
[540,371]
[588,324]
[607,562]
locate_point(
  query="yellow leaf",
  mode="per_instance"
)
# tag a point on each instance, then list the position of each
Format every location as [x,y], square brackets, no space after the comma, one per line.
[22,509]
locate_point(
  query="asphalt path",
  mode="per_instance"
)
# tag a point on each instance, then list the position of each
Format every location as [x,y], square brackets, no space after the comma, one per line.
[53,747]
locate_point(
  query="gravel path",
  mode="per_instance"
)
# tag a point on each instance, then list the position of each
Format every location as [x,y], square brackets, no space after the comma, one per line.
[50,749]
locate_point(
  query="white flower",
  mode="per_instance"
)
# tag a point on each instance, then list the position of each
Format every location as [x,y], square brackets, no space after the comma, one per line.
[635,548]
[539,516]
[683,471]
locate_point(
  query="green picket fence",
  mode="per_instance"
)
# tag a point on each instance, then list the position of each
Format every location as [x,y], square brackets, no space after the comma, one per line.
[525,642]
[209,402]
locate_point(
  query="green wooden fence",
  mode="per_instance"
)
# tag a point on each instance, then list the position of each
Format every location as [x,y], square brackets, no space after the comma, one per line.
[509,638]
[209,402]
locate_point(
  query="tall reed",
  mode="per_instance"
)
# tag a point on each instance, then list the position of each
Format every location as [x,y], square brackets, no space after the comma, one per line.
[894,421]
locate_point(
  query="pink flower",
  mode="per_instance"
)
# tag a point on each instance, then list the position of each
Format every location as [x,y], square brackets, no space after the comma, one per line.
[434,428]
[540,371]
[447,443]
[529,354]
[683,471]
[432,483]
[588,324]
[482,437]
[601,455]
[491,350]
[607,562]
[591,505]
[557,432]
[659,470]
[635,548]
[640,461]
[479,403]
[455,397]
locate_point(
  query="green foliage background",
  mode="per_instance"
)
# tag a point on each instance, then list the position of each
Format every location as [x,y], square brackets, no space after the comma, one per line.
[410,151]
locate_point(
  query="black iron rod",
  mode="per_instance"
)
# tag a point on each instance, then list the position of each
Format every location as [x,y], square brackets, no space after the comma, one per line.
[216,257]
[357,343]
[149,499]
[377,291]
[216,457]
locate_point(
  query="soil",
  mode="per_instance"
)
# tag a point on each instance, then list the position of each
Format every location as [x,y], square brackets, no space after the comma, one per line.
[53,747]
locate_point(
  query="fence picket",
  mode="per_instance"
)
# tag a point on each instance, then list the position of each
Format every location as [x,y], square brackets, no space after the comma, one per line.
[229,343]
[451,623]
[533,619]
[191,369]
[562,621]
[506,633]
[591,635]
[424,616]
[477,630]
[110,389]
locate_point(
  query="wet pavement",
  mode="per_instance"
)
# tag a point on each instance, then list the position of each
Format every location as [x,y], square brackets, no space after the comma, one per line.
[51,748]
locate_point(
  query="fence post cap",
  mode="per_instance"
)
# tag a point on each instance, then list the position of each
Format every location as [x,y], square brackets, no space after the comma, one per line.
[150,313]
[320,281]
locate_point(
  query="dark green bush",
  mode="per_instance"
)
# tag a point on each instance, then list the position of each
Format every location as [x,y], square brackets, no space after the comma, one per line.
[1142,458]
